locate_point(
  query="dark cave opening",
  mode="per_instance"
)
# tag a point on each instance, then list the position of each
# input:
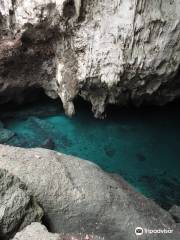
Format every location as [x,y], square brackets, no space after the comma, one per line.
[69,9]
[23,98]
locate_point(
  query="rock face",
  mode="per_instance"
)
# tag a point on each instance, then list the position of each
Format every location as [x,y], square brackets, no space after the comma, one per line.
[17,208]
[120,53]
[36,231]
[78,197]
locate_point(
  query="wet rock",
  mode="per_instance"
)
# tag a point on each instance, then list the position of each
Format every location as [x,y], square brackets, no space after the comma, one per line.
[36,127]
[44,130]
[5,135]
[65,142]
[77,196]
[36,231]
[48,144]
[149,179]
[18,141]
[164,190]
[38,124]
[17,208]
[175,212]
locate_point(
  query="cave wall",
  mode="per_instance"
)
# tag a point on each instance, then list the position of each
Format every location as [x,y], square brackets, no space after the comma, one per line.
[120,52]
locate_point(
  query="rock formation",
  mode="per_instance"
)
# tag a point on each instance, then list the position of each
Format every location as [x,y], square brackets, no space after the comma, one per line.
[123,52]
[5,135]
[78,197]
[17,208]
[36,231]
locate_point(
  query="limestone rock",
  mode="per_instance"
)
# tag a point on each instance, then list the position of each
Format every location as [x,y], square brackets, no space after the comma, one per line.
[78,197]
[120,53]
[36,231]
[17,208]
[127,51]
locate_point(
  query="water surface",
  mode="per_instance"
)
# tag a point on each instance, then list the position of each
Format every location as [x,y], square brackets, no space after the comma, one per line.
[142,146]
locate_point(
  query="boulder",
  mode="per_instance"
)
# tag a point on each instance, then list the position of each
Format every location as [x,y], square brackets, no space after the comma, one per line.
[78,197]
[17,208]
[36,231]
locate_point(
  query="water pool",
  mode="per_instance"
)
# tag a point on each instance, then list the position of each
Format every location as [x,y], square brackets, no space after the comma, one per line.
[142,146]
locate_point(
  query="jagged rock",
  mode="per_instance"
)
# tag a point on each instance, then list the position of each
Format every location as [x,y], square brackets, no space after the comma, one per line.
[116,53]
[175,212]
[17,208]
[77,196]
[36,231]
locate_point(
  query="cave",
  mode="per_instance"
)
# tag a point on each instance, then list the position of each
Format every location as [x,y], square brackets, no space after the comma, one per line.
[89,120]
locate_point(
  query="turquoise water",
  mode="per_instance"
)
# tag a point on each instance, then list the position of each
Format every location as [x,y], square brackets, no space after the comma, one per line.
[142,146]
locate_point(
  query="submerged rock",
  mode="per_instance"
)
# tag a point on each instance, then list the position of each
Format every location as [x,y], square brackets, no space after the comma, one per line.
[77,196]
[36,231]
[164,190]
[36,133]
[18,141]
[48,143]
[17,208]
[5,135]
[106,53]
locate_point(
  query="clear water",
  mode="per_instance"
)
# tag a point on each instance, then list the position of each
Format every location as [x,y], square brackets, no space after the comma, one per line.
[142,146]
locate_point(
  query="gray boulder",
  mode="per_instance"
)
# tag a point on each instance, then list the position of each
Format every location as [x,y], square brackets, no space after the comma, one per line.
[36,231]
[77,196]
[17,208]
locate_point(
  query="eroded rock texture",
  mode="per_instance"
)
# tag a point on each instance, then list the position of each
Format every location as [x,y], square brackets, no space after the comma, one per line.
[120,52]
[78,197]
[36,231]
[17,208]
